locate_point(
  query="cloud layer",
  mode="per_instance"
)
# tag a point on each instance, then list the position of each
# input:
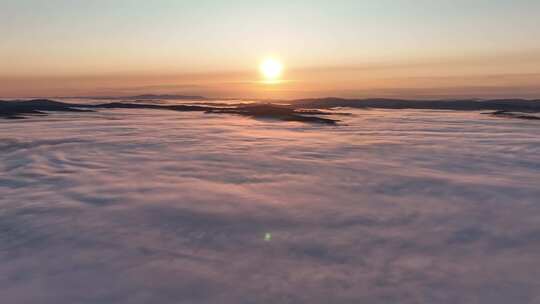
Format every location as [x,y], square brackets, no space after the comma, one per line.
[139,206]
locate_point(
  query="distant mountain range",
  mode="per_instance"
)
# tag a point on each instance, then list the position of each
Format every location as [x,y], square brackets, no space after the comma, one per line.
[304,110]
[20,109]
[521,105]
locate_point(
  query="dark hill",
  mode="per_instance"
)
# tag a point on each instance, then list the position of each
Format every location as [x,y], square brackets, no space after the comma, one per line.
[520,105]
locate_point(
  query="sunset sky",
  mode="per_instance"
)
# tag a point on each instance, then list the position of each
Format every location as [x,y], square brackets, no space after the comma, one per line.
[346,48]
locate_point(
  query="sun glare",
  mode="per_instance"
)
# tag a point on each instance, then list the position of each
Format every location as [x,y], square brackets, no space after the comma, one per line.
[271,69]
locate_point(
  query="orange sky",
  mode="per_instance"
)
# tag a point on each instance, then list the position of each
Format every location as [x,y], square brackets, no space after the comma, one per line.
[515,76]
[399,48]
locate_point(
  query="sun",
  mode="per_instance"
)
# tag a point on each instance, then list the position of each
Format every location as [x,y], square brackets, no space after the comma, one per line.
[271,69]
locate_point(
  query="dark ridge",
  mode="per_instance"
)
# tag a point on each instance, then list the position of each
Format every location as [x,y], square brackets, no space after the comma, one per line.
[17,109]
[126,105]
[285,113]
[518,105]
[507,114]
[306,110]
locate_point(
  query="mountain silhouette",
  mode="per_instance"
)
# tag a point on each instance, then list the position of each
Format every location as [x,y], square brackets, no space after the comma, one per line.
[18,109]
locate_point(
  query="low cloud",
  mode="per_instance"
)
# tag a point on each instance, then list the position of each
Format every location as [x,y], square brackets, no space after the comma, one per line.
[138,206]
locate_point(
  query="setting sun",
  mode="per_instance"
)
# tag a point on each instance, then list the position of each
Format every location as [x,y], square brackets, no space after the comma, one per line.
[271,69]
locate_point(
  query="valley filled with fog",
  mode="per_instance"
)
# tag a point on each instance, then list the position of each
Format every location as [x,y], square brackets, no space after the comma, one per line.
[154,206]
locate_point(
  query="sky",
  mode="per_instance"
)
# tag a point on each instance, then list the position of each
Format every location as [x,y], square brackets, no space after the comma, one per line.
[344,48]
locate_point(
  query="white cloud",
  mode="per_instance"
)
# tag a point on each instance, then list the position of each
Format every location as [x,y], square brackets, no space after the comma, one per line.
[136,206]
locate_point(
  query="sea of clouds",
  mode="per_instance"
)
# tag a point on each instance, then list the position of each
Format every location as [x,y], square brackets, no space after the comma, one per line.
[141,206]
